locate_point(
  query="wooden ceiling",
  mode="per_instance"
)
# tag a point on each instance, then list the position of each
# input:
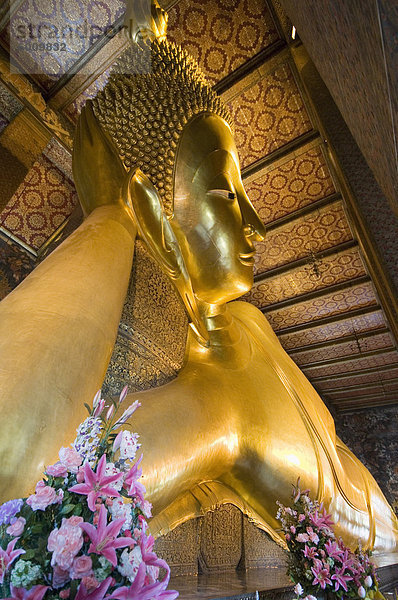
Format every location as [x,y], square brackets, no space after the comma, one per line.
[313,273]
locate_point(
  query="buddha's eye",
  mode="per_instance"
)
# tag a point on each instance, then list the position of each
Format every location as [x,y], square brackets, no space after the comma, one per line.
[225,194]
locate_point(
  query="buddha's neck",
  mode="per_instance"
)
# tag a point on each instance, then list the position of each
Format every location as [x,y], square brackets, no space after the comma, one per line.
[227,342]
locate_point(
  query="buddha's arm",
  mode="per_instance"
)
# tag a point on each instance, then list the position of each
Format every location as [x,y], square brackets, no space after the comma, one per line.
[57,331]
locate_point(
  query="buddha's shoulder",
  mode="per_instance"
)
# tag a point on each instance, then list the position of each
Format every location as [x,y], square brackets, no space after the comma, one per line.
[250,315]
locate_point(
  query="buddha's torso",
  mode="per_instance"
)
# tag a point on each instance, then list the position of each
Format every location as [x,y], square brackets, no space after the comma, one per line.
[243,414]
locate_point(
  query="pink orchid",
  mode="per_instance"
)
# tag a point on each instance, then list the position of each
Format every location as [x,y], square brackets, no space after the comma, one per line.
[7,557]
[333,549]
[37,592]
[103,538]
[323,521]
[137,490]
[96,484]
[321,574]
[97,594]
[309,552]
[340,579]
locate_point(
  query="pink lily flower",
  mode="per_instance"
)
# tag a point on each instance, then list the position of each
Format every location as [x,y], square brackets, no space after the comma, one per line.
[123,394]
[340,579]
[99,408]
[127,414]
[313,536]
[139,591]
[321,575]
[103,538]
[97,594]
[96,484]
[37,592]
[8,556]
[137,490]
[347,560]
[309,552]
[333,549]
[323,521]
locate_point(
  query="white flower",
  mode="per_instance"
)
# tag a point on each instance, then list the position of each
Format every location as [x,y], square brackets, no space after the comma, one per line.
[104,570]
[309,597]
[130,562]
[361,592]
[298,589]
[112,470]
[368,581]
[25,573]
[129,445]
[147,509]
[120,510]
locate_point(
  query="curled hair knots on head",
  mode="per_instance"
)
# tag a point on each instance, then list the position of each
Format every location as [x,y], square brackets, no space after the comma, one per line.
[150,97]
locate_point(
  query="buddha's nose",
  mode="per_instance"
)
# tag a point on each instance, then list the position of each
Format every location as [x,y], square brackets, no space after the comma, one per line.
[253,226]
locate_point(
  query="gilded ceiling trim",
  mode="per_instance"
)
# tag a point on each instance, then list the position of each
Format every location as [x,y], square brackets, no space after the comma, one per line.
[35,101]
[7,235]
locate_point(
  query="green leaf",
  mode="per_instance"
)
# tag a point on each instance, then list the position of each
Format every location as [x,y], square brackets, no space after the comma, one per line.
[88,408]
[67,509]
[29,554]
[36,528]
[78,510]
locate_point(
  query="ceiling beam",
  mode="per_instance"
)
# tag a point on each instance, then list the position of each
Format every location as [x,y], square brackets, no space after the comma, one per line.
[84,58]
[388,395]
[350,314]
[10,8]
[369,371]
[93,50]
[303,211]
[359,387]
[301,262]
[325,291]
[338,341]
[346,359]
[364,405]
[248,67]
[292,146]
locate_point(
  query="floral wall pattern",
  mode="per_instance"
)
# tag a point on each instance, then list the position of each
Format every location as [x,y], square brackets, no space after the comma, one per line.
[15,265]
[372,436]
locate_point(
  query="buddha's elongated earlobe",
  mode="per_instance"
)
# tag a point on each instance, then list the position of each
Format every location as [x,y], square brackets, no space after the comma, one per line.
[155,230]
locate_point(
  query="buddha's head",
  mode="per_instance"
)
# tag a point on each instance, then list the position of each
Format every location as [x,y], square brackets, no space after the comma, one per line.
[169,123]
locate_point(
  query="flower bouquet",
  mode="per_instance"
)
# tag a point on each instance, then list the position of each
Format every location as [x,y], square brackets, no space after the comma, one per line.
[83,534]
[319,563]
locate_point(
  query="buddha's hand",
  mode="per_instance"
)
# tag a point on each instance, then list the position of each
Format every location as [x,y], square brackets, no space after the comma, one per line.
[145,20]
[97,169]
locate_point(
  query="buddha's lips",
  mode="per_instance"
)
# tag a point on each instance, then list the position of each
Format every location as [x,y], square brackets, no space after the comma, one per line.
[247,259]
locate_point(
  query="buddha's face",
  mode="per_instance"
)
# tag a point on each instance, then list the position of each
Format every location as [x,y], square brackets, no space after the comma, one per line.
[214,219]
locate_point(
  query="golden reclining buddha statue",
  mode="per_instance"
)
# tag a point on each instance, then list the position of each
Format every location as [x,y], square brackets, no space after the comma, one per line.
[155,157]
